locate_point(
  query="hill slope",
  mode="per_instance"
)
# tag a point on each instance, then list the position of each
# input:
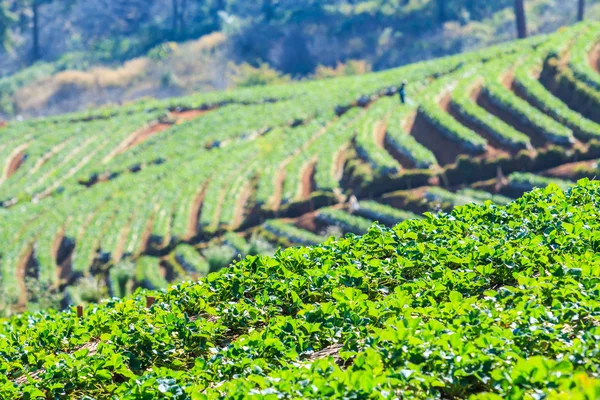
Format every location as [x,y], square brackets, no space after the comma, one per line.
[491,302]
[141,195]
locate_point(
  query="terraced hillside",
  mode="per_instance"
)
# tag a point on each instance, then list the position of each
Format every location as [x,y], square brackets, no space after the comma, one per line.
[158,184]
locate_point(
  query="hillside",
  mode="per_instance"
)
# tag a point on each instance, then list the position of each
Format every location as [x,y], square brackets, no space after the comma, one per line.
[97,204]
[487,302]
[134,49]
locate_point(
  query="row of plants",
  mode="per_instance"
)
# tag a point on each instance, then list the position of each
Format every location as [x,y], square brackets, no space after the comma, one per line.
[525,181]
[372,123]
[579,58]
[443,121]
[465,106]
[292,233]
[404,143]
[527,82]
[521,110]
[383,214]
[342,219]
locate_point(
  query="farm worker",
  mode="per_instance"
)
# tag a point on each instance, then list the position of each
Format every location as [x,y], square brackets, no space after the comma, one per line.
[402,92]
[353,204]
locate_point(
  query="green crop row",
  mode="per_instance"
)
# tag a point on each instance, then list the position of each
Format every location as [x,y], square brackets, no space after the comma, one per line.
[191,260]
[526,81]
[484,196]
[383,214]
[292,233]
[444,122]
[405,144]
[527,181]
[347,222]
[525,113]
[468,109]
[579,60]
[374,120]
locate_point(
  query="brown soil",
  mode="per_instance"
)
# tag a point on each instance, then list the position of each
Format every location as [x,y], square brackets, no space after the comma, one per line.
[137,138]
[240,206]
[379,130]
[20,274]
[595,58]
[92,348]
[508,80]
[340,161]
[446,151]
[194,216]
[15,160]
[3,124]
[494,146]
[189,114]
[58,239]
[537,139]
[308,180]
[15,163]
[275,202]
[403,160]
[567,171]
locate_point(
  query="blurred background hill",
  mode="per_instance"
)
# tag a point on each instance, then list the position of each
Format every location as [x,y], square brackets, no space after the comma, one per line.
[58,56]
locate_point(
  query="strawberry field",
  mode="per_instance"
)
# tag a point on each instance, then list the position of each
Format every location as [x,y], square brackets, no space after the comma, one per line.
[487,302]
[101,203]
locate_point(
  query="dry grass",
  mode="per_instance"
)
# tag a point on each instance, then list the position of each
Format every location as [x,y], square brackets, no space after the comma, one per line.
[192,66]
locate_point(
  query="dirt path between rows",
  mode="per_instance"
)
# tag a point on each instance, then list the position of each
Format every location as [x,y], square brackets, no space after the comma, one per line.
[595,58]
[137,138]
[308,184]
[194,216]
[14,162]
[240,205]
[189,114]
[20,273]
[568,171]
[275,201]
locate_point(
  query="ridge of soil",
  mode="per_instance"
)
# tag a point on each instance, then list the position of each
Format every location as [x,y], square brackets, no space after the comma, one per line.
[195,209]
[595,58]
[567,171]
[308,184]
[494,146]
[275,201]
[20,274]
[240,205]
[445,150]
[15,160]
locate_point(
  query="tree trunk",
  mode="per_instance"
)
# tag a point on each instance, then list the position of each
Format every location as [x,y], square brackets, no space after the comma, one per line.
[35,54]
[267,9]
[175,16]
[441,5]
[521,21]
[182,15]
[581,10]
